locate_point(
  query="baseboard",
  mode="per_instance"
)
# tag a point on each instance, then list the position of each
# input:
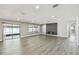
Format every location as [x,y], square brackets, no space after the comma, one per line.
[30,35]
[43,34]
[54,35]
[62,36]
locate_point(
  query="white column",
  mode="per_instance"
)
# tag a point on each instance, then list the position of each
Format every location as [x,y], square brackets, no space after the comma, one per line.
[44,29]
[1,31]
[77,30]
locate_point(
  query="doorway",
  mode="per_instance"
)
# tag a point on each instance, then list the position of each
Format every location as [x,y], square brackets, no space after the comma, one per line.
[72,30]
[11,31]
[72,33]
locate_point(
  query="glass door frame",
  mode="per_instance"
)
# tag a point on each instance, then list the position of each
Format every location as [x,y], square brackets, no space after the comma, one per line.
[12,30]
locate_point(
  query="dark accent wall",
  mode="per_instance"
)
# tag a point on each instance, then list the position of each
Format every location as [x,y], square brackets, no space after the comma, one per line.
[51,28]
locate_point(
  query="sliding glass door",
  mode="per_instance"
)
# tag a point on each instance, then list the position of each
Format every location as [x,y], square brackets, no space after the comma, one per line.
[11,31]
[16,31]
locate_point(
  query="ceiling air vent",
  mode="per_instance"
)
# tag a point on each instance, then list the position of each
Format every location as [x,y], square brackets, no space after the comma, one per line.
[55,5]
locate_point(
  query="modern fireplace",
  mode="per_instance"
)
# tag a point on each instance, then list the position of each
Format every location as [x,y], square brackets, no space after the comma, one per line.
[51,28]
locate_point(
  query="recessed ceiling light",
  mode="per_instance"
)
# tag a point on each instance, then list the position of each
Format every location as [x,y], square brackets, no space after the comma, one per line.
[37,7]
[52,16]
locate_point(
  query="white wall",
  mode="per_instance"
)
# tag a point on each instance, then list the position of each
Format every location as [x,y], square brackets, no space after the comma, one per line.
[62,29]
[23,30]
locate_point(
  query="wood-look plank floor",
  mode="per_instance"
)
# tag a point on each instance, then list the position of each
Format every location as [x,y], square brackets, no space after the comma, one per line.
[40,45]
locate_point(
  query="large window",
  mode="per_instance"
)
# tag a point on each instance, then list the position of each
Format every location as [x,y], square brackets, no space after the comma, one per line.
[30,28]
[16,29]
[34,28]
[11,31]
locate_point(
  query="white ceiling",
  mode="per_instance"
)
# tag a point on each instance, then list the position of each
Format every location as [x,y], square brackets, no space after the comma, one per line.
[28,12]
